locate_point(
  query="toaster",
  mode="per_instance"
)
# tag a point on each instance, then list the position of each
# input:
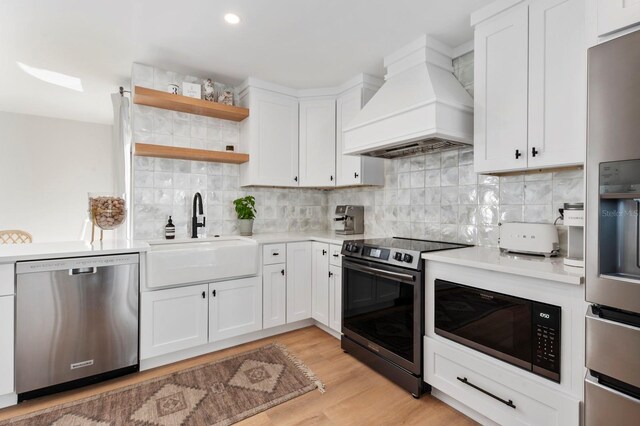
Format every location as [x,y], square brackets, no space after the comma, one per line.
[529,238]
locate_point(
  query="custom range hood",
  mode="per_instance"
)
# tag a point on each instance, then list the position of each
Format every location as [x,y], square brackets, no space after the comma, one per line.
[421,107]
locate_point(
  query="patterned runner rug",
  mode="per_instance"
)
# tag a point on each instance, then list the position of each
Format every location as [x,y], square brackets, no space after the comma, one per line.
[218,393]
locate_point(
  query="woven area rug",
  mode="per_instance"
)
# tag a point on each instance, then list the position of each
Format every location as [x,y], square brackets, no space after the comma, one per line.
[218,393]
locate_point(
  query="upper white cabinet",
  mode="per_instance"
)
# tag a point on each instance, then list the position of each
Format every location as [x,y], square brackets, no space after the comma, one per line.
[317,142]
[354,170]
[500,85]
[270,137]
[320,282]
[235,308]
[298,281]
[615,15]
[173,319]
[530,86]
[6,344]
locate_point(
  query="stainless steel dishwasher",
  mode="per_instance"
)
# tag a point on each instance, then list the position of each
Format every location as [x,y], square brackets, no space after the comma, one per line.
[76,322]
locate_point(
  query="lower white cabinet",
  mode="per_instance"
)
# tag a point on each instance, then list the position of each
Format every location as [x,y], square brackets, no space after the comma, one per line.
[320,282]
[235,308]
[298,276]
[335,298]
[173,320]
[6,344]
[274,295]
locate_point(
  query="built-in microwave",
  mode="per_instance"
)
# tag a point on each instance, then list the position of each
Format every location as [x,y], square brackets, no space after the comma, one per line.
[519,331]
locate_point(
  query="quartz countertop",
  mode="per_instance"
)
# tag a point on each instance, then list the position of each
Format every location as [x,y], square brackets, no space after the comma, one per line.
[19,252]
[551,269]
[321,236]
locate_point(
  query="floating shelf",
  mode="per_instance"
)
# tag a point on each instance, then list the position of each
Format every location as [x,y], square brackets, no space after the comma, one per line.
[178,153]
[164,100]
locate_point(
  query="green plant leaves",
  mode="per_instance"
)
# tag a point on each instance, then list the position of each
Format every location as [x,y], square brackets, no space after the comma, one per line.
[245,207]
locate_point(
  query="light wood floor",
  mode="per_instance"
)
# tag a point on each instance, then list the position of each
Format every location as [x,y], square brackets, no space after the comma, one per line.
[355,394]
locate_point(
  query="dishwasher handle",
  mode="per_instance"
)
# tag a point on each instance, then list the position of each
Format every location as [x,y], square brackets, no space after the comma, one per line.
[83,271]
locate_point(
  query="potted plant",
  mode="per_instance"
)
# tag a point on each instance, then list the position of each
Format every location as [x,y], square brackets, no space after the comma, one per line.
[246,211]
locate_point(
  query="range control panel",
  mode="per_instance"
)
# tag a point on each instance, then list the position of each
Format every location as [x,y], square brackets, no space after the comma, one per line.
[391,256]
[546,340]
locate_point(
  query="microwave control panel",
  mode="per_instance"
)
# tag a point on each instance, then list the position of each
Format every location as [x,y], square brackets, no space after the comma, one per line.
[546,340]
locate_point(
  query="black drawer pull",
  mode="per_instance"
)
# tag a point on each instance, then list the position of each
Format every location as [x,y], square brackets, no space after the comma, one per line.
[504,401]
[275,253]
[336,255]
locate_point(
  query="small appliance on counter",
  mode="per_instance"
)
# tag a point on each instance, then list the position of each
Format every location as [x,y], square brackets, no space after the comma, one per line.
[529,238]
[574,220]
[349,220]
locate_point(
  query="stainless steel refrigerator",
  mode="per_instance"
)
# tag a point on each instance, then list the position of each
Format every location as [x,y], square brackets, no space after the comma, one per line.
[612,384]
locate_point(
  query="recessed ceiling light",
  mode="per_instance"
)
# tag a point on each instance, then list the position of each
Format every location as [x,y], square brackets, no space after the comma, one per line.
[232,18]
[59,79]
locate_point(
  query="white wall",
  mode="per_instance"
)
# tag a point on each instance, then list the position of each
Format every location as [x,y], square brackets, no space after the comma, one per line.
[47,167]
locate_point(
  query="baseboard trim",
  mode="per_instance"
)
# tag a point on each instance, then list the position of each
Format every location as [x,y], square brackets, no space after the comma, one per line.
[161,360]
[8,400]
[327,330]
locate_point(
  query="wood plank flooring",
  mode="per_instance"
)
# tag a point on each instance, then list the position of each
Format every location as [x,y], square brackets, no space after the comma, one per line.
[355,394]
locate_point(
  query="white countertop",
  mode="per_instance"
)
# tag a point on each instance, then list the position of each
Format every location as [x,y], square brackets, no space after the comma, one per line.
[551,269]
[18,252]
[321,236]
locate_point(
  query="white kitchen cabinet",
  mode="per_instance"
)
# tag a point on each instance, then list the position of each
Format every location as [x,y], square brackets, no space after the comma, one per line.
[501,85]
[235,308]
[354,170]
[298,276]
[7,279]
[274,295]
[320,282]
[530,87]
[317,149]
[173,319]
[270,136]
[7,304]
[557,83]
[335,298]
[615,15]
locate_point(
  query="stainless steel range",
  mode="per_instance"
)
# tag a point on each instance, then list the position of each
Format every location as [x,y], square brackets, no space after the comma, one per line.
[383,306]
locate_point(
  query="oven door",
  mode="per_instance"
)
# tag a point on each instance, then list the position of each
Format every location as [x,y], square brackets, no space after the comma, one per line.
[382,309]
[494,323]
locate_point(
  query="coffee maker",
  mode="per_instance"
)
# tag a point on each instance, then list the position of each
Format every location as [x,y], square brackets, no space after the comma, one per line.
[349,220]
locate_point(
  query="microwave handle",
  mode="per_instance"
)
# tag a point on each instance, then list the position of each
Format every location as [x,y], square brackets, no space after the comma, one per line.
[381,272]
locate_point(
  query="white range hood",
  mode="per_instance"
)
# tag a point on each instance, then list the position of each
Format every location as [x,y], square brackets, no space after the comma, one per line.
[421,107]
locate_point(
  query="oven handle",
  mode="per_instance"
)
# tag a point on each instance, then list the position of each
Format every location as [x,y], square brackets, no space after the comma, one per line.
[380,272]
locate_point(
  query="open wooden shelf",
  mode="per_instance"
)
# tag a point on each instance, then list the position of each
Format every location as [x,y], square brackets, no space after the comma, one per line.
[164,100]
[178,153]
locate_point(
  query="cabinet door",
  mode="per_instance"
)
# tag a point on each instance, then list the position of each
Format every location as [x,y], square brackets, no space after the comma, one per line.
[298,281]
[274,292]
[6,344]
[172,320]
[614,15]
[335,298]
[272,138]
[501,84]
[320,282]
[318,142]
[348,167]
[557,83]
[235,308]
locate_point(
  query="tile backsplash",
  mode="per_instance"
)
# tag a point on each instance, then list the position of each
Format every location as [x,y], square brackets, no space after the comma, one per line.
[435,196]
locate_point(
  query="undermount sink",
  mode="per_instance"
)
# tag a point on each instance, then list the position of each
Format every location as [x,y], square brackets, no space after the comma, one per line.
[189,261]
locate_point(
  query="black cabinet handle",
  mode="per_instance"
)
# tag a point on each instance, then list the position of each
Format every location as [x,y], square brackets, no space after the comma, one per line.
[214,293]
[504,401]
[336,255]
[204,294]
[282,272]
[355,175]
[275,253]
[534,151]
[330,274]
[324,252]
[518,154]
[295,178]
[331,178]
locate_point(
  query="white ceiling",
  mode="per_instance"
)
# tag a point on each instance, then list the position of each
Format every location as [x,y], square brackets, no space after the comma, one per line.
[296,43]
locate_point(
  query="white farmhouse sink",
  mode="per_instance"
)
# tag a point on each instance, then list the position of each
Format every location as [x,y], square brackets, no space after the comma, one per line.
[190,261]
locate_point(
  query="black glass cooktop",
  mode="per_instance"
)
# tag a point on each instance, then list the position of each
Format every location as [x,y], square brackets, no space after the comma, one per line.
[409,244]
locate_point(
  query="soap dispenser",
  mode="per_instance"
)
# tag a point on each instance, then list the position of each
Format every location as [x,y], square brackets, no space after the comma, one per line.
[170,230]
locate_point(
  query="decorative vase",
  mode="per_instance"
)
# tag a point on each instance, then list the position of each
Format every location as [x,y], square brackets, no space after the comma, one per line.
[245,226]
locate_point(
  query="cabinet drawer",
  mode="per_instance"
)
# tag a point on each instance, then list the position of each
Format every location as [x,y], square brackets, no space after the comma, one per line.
[480,386]
[7,278]
[273,253]
[336,258]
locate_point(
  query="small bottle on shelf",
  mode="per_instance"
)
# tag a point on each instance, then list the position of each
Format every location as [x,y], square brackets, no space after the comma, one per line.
[170,230]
